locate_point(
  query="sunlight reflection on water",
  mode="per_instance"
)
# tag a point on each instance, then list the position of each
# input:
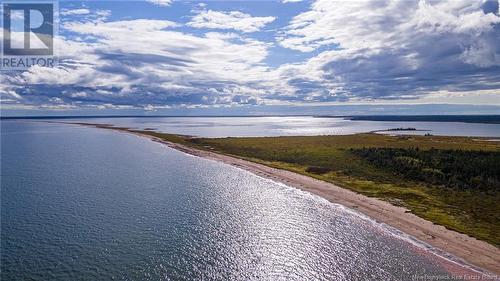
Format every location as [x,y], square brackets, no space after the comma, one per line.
[288,126]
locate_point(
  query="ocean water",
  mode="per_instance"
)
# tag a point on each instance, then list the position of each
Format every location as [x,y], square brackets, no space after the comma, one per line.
[80,203]
[290,126]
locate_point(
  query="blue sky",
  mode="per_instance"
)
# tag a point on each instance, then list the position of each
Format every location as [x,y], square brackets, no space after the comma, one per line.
[163,56]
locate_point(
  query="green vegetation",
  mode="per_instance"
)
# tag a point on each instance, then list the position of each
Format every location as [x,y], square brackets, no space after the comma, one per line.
[180,139]
[452,181]
[460,169]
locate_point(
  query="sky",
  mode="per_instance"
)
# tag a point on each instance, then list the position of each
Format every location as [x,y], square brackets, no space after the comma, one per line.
[270,57]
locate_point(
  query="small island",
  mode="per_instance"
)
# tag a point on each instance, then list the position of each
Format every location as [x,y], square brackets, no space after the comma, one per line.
[409,129]
[402,129]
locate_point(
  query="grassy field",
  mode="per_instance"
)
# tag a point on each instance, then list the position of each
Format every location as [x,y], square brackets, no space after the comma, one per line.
[472,211]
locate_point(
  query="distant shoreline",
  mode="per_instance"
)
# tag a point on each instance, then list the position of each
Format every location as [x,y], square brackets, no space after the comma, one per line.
[475,252]
[477,119]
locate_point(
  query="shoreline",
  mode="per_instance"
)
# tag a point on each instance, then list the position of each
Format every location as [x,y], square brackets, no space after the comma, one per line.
[466,251]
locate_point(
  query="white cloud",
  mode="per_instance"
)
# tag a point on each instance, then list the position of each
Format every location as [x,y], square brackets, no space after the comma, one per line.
[81,11]
[163,3]
[109,29]
[158,67]
[395,49]
[84,14]
[229,20]
[376,24]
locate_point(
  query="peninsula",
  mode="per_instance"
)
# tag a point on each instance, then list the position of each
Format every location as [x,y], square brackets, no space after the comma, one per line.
[441,190]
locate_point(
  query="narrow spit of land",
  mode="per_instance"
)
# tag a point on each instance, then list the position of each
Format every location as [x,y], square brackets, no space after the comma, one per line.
[412,183]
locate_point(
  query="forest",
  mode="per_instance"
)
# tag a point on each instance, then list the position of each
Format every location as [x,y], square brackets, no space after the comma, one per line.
[461,169]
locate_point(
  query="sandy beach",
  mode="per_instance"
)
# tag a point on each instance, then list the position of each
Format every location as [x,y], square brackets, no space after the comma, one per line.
[463,248]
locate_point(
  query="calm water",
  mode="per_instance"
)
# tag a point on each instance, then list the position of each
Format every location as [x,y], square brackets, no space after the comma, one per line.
[288,126]
[82,203]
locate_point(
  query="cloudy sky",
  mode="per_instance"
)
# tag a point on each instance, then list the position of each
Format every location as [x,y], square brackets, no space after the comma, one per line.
[161,55]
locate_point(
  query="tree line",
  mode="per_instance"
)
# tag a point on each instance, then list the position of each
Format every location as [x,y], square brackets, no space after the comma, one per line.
[461,169]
